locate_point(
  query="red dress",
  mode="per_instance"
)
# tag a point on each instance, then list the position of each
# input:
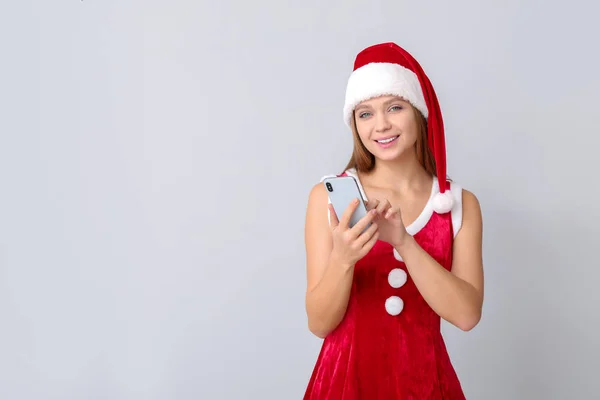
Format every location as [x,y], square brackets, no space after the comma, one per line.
[389,344]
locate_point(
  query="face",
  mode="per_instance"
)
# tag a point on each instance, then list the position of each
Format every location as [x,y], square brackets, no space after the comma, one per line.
[387,126]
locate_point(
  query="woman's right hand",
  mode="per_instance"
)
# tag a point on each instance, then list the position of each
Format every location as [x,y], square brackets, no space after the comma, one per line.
[352,244]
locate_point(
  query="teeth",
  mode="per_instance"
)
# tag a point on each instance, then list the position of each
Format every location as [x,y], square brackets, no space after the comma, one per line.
[387,140]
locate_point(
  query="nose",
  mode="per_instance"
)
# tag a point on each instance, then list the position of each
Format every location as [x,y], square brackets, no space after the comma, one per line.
[382,123]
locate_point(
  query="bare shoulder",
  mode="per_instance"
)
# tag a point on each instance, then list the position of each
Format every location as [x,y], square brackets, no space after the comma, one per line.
[472,216]
[471,203]
[317,235]
[467,255]
[317,218]
[316,208]
[317,195]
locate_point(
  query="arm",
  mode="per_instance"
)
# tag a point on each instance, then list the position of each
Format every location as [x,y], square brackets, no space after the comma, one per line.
[331,253]
[328,280]
[456,296]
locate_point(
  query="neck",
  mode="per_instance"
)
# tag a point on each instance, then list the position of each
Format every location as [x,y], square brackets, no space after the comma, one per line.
[400,174]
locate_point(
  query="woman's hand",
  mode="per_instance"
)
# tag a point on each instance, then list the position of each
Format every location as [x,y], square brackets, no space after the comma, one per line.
[352,244]
[389,220]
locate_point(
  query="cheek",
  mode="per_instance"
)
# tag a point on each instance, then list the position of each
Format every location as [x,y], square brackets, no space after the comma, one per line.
[410,136]
[409,129]
[363,132]
[364,139]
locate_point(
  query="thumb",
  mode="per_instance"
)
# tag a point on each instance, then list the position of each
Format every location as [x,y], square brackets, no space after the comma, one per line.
[393,213]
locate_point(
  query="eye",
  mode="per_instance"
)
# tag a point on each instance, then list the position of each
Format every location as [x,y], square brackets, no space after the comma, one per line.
[363,115]
[395,108]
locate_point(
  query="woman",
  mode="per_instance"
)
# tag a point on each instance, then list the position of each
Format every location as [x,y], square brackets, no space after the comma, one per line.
[376,296]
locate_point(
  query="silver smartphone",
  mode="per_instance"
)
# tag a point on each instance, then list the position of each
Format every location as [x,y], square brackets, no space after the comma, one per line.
[342,190]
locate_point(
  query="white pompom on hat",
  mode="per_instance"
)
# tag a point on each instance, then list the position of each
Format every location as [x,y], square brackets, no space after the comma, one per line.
[388,69]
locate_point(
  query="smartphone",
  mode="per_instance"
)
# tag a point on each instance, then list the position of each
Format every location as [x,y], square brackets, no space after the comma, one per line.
[342,190]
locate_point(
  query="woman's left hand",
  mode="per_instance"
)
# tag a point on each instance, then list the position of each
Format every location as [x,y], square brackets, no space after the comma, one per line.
[389,220]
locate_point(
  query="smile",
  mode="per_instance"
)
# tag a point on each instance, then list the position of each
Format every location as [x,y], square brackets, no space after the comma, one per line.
[387,140]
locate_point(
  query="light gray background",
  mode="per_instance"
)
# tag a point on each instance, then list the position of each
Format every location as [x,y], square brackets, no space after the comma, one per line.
[155,163]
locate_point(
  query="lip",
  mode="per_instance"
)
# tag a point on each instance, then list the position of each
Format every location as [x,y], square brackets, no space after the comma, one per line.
[386,145]
[386,137]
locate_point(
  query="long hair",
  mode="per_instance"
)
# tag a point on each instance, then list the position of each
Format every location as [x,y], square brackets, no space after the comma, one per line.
[364,161]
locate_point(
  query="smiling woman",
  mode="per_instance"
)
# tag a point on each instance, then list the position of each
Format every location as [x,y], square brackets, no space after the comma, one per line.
[363,158]
[376,296]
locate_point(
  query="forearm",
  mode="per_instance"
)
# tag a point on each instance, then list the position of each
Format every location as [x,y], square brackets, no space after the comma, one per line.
[452,298]
[327,302]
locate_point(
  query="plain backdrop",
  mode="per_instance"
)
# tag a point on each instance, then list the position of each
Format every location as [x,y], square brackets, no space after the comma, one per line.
[155,164]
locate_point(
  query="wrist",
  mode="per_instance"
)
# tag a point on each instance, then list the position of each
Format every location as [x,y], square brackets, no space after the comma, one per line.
[407,243]
[341,262]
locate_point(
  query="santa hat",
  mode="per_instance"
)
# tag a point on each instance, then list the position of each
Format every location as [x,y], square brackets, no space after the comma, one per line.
[388,69]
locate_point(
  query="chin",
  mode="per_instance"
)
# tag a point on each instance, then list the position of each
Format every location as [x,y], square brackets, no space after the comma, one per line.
[390,154]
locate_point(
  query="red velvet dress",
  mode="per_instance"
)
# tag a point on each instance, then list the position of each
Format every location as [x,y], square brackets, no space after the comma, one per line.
[389,344]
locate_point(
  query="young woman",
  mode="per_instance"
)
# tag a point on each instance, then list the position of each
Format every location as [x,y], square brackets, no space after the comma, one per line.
[376,296]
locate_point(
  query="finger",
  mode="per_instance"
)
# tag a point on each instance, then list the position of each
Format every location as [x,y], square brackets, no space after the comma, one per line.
[370,243]
[383,207]
[362,224]
[393,212]
[389,213]
[368,234]
[333,219]
[345,220]
[371,204]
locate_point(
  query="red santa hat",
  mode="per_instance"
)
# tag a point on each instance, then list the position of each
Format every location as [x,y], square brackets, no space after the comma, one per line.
[387,69]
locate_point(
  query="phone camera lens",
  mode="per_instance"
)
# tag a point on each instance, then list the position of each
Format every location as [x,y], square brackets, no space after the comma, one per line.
[329,187]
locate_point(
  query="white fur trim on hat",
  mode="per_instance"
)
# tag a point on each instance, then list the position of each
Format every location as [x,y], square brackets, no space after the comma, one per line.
[379,79]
